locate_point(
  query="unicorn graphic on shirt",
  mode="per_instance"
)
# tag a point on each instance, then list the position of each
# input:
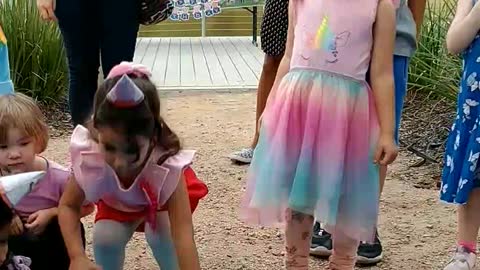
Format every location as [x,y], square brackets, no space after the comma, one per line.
[325,39]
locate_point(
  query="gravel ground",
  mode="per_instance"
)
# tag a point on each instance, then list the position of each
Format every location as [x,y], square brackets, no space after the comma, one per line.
[417,231]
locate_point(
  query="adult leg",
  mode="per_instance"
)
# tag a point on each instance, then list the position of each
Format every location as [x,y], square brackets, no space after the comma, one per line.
[119,28]
[298,232]
[109,240]
[161,243]
[274,38]
[468,224]
[78,22]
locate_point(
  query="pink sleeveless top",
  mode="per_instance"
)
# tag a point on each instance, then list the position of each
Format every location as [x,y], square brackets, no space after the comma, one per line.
[334,36]
[153,186]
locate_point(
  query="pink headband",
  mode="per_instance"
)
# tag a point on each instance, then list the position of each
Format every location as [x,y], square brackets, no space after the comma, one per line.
[129,68]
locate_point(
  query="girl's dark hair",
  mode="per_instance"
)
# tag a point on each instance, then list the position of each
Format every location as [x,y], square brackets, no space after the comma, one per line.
[6,214]
[141,120]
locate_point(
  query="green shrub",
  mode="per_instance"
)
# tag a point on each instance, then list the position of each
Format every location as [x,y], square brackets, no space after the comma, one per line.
[37,58]
[432,69]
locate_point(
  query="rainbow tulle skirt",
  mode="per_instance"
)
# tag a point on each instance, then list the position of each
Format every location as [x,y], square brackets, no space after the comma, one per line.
[315,155]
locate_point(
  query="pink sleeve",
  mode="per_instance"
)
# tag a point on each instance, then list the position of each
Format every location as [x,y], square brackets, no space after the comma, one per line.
[80,141]
[81,147]
[176,165]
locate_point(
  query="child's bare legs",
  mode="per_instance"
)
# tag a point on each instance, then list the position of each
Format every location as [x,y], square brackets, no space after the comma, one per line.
[469,219]
[298,232]
[468,225]
[344,252]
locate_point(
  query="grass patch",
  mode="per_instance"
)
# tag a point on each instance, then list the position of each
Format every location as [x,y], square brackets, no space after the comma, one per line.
[37,58]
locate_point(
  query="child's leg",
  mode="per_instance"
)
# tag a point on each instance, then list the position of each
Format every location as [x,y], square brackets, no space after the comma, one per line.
[109,240]
[344,252]
[469,221]
[298,233]
[161,243]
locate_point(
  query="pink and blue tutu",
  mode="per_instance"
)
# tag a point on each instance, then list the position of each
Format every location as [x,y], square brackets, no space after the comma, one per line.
[315,155]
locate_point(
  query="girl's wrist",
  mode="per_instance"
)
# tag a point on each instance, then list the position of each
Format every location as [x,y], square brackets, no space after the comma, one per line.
[53,212]
[387,133]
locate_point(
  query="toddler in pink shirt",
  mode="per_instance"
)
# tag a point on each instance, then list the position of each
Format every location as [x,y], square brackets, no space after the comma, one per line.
[34,232]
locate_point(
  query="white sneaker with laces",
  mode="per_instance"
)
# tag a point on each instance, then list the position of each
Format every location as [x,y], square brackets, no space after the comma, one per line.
[243,156]
[462,260]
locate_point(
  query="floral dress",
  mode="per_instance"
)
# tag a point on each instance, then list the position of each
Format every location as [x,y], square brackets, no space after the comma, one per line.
[460,172]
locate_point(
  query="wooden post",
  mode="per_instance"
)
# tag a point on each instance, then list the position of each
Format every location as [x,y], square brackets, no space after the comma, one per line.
[204,24]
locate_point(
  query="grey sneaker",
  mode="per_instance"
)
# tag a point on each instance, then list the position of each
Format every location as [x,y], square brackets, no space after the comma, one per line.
[462,260]
[243,156]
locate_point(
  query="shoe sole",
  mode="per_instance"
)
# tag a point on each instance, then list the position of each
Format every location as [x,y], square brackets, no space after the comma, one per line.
[368,261]
[320,251]
[240,159]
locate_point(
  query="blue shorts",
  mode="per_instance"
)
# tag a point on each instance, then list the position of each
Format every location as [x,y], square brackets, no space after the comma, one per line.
[400,76]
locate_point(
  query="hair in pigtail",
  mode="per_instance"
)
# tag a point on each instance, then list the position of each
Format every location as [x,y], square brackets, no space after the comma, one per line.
[129,101]
[167,139]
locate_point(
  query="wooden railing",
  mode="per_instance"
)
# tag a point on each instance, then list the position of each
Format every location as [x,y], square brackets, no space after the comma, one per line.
[242,19]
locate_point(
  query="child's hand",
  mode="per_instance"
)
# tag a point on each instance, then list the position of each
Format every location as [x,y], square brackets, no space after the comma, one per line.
[38,221]
[387,150]
[16,227]
[83,263]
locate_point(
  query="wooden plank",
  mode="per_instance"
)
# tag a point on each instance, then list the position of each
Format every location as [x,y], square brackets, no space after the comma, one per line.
[202,73]
[247,75]
[187,70]
[231,73]
[140,50]
[172,76]
[255,51]
[151,53]
[159,68]
[251,61]
[214,67]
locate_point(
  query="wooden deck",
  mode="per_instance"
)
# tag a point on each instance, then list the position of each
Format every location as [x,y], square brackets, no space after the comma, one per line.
[211,63]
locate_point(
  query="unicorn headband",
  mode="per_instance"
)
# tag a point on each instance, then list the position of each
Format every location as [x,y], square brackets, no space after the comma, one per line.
[125,93]
[14,187]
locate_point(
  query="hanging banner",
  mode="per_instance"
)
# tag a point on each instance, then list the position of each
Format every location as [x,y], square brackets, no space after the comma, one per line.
[184,10]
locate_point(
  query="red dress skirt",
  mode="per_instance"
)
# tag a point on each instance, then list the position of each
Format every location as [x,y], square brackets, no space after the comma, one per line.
[196,191]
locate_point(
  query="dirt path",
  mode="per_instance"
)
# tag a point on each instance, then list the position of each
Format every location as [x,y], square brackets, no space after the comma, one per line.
[417,231]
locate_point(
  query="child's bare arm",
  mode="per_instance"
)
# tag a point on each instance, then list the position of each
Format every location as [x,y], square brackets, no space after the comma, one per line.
[464,27]
[417,7]
[381,69]
[381,78]
[182,228]
[69,214]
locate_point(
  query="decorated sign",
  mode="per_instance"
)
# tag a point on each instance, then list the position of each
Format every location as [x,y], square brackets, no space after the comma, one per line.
[183,10]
